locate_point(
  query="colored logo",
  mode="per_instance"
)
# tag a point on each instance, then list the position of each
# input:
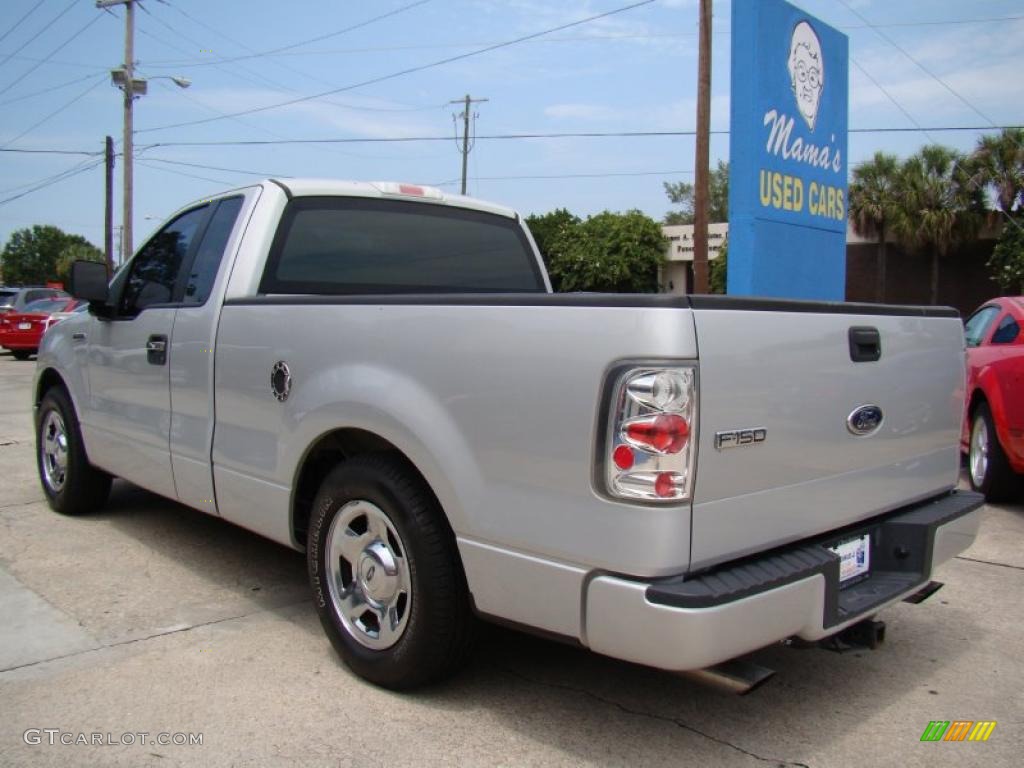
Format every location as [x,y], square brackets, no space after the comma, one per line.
[865,420]
[958,730]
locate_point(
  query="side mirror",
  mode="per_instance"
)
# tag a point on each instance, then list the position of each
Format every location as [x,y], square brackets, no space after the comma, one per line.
[89,282]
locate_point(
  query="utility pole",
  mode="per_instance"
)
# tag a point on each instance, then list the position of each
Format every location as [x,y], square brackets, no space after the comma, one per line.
[125,78]
[702,160]
[468,104]
[129,128]
[108,208]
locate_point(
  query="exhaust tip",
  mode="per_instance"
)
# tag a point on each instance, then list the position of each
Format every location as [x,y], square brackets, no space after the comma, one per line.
[735,676]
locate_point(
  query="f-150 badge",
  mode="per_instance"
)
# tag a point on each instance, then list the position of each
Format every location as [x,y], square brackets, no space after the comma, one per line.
[734,438]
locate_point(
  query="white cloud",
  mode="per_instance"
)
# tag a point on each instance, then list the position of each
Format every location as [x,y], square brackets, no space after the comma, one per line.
[982,67]
[348,113]
[595,112]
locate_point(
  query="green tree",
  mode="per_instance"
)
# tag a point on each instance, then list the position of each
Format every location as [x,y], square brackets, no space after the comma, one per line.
[681,193]
[874,205]
[76,252]
[718,270]
[939,205]
[998,162]
[618,252]
[32,255]
[1007,260]
[546,227]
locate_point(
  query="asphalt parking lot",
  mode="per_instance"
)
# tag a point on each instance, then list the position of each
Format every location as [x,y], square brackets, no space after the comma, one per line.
[150,618]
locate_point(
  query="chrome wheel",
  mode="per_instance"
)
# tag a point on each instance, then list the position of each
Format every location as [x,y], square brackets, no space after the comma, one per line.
[53,450]
[368,575]
[978,456]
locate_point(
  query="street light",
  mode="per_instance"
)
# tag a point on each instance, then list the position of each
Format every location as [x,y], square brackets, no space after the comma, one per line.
[139,84]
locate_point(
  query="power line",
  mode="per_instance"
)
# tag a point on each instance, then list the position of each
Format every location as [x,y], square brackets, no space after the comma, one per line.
[266,80]
[48,90]
[73,168]
[551,176]
[317,39]
[216,111]
[399,139]
[42,29]
[177,33]
[410,70]
[51,152]
[60,109]
[921,66]
[149,165]
[62,62]
[243,46]
[192,62]
[53,180]
[45,59]
[273,83]
[512,136]
[18,22]
[220,168]
[891,98]
[251,126]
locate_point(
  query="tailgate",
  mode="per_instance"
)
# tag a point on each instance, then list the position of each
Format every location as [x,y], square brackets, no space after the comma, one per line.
[790,372]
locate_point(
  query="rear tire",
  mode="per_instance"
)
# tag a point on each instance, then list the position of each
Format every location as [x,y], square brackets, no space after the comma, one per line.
[987,465]
[21,354]
[71,484]
[387,581]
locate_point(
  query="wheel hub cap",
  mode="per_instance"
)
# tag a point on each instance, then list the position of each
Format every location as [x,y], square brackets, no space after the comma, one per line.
[378,573]
[368,575]
[979,452]
[53,451]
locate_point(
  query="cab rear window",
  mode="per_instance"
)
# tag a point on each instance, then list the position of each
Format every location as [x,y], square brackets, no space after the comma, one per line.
[345,246]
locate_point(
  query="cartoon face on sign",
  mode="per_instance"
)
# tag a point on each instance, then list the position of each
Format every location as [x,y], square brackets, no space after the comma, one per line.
[806,71]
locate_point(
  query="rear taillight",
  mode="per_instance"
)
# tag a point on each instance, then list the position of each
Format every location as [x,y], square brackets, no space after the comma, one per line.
[649,449]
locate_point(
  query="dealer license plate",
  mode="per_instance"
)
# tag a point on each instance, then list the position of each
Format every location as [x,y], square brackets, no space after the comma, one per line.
[854,558]
[24,326]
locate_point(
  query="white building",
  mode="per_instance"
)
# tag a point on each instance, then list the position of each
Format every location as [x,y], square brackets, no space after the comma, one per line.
[677,275]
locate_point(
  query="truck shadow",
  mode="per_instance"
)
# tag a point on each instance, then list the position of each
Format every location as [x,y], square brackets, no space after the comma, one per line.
[574,702]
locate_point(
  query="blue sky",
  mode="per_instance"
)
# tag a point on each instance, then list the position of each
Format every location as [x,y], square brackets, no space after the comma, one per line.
[633,71]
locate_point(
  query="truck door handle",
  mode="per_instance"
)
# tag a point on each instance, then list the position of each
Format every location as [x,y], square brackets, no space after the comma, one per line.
[865,344]
[156,350]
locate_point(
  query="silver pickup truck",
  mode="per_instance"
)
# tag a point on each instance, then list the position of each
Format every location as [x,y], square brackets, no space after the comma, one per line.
[380,375]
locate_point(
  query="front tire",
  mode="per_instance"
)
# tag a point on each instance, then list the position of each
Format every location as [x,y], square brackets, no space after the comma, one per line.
[71,484]
[987,464]
[386,577]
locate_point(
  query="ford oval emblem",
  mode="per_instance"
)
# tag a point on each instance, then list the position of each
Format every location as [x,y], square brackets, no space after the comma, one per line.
[865,420]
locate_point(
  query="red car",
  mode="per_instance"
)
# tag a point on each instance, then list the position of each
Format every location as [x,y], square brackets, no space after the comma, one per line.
[993,431]
[21,332]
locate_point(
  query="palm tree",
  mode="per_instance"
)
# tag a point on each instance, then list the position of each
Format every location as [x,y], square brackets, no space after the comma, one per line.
[873,206]
[938,205]
[999,163]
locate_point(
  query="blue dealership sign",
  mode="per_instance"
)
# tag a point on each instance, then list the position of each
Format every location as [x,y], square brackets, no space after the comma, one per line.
[787,153]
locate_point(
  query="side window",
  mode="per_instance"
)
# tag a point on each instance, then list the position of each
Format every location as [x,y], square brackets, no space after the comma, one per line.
[978,324]
[156,268]
[1007,331]
[211,252]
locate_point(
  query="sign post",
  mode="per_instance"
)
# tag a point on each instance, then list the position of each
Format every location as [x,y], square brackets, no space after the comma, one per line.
[787,153]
